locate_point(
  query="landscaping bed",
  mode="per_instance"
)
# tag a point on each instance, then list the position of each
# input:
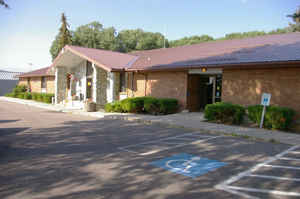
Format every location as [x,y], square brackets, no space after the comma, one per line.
[148,105]
[276,117]
[20,91]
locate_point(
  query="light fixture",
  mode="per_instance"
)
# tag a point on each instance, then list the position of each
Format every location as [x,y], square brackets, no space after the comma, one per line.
[203,70]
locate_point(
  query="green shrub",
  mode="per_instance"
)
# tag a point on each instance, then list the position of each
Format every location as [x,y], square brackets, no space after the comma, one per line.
[133,105]
[151,105]
[34,96]
[27,96]
[224,113]
[39,97]
[109,107]
[20,95]
[168,106]
[276,117]
[20,89]
[143,105]
[47,98]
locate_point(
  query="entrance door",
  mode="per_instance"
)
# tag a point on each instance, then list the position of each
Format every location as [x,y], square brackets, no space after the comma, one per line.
[89,92]
[200,92]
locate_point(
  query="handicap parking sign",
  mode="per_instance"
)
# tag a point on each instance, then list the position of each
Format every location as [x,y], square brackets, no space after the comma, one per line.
[188,165]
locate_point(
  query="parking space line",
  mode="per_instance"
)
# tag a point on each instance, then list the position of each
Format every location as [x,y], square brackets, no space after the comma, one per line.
[283,167]
[276,192]
[225,186]
[275,177]
[293,159]
[181,145]
[164,143]
[158,140]
[295,152]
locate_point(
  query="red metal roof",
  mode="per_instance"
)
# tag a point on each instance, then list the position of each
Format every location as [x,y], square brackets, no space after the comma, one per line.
[269,48]
[106,59]
[37,73]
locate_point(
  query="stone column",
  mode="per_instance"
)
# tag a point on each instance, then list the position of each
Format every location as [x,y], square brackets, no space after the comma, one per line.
[95,83]
[110,87]
[56,87]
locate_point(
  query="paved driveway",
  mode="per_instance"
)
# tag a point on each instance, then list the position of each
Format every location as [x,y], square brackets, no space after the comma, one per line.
[45,154]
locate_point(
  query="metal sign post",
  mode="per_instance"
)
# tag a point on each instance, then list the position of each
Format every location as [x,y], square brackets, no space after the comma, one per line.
[265,101]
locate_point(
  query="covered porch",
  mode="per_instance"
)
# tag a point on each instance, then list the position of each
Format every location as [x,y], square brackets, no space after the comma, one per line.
[78,80]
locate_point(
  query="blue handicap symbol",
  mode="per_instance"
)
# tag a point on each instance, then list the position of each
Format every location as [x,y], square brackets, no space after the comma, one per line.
[188,165]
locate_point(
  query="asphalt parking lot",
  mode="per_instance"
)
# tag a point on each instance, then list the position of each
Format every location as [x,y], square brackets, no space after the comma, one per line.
[45,154]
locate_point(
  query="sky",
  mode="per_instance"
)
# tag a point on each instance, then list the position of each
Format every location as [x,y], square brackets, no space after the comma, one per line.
[29,27]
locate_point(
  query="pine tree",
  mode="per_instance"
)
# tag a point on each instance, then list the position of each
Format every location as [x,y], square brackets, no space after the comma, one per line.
[65,36]
[296,18]
[3,3]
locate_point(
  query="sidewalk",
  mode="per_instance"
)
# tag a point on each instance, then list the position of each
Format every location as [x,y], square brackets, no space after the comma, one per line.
[193,121]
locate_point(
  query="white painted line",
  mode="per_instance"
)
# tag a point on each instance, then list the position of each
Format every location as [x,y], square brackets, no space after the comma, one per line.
[268,191]
[295,152]
[130,151]
[279,166]
[275,177]
[181,145]
[165,147]
[293,159]
[225,185]
[158,140]
[220,187]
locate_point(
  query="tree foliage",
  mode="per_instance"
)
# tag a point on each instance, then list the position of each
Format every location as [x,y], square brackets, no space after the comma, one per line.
[296,18]
[3,3]
[94,35]
[63,38]
[137,39]
[191,40]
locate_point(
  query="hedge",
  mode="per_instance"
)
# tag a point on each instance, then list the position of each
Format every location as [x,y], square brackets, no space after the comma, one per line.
[225,113]
[20,92]
[276,117]
[149,105]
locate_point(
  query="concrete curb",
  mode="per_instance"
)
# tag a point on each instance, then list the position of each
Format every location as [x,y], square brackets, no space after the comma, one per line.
[220,129]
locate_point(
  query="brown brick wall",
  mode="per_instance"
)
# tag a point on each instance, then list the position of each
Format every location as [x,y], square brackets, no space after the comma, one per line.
[245,86]
[50,84]
[22,81]
[35,83]
[160,84]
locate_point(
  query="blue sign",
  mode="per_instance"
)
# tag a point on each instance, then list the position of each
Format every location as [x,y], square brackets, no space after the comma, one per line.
[188,165]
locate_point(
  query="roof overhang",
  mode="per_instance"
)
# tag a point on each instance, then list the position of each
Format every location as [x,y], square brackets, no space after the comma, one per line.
[266,64]
[69,57]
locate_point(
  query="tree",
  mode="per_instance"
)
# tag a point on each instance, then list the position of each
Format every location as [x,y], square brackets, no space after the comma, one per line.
[88,35]
[2,3]
[191,40]
[296,18]
[63,38]
[140,40]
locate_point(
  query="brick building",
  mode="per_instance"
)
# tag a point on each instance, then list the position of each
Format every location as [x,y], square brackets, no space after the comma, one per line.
[38,81]
[236,71]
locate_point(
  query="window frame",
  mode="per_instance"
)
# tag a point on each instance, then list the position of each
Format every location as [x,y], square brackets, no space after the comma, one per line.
[43,82]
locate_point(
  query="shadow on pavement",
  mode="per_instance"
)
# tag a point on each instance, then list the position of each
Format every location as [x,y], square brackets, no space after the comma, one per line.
[81,160]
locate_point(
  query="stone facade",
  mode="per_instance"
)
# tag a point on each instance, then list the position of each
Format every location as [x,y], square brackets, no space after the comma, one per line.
[101,86]
[61,84]
[245,86]
[116,93]
[100,79]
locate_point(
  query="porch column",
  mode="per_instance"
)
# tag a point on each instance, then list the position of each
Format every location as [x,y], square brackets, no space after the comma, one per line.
[95,82]
[56,86]
[110,87]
